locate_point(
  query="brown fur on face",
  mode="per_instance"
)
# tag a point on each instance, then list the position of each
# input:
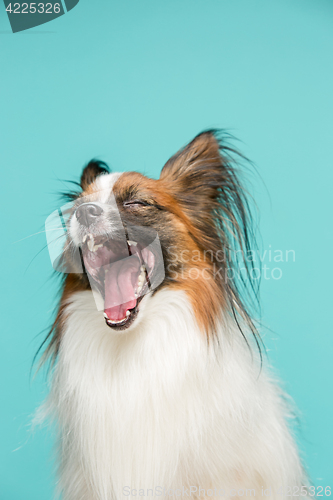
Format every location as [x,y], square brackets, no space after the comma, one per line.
[198,208]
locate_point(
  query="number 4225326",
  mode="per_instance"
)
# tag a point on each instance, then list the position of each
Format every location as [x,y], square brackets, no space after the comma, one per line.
[33,8]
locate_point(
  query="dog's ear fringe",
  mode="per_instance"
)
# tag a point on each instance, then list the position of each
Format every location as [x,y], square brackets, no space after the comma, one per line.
[206,179]
[50,346]
[69,284]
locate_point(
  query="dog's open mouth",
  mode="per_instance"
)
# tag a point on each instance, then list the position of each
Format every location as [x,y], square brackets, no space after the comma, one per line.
[121,272]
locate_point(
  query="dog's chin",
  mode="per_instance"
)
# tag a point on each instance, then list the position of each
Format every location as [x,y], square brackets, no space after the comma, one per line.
[132,321]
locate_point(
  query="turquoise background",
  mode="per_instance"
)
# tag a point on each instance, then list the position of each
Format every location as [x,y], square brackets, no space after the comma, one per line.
[131,82]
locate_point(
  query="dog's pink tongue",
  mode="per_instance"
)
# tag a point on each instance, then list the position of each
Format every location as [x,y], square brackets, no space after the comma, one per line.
[120,280]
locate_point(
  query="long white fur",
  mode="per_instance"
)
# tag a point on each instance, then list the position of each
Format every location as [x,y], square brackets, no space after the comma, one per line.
[156,406]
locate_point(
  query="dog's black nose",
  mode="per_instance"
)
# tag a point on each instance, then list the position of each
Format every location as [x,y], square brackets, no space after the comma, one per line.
[87,213]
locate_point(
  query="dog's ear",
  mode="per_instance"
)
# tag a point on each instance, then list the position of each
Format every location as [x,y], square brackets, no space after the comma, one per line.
[201,175]
[204,181]
[194,160]
[91,171]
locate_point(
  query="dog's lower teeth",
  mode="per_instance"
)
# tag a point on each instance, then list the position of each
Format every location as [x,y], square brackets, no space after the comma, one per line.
[114,322]
[132,243]
[111,322]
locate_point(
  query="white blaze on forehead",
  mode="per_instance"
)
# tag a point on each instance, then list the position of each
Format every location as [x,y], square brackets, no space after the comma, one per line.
[104,183]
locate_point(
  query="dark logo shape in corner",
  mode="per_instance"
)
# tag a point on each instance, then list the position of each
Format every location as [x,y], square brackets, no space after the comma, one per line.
[70,4]
[25,15]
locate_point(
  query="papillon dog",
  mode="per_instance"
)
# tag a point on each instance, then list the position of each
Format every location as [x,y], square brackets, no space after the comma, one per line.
[159,387]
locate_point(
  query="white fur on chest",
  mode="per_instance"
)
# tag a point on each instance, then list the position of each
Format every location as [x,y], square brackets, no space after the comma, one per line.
[157,407]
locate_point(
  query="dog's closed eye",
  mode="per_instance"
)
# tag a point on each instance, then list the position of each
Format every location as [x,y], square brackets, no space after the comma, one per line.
[136,204]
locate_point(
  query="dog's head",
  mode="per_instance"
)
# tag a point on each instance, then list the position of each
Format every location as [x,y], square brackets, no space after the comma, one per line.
[130,236]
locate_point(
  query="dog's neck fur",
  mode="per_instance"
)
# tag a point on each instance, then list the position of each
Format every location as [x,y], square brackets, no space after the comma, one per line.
[159,406]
